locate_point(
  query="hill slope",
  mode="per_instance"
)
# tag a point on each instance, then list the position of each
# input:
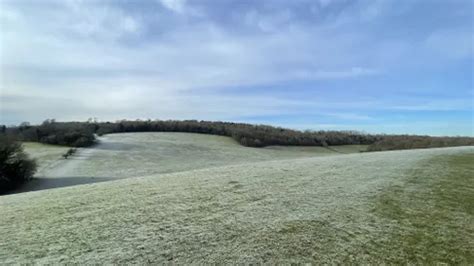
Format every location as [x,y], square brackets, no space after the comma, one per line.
[401,206]
[140,154]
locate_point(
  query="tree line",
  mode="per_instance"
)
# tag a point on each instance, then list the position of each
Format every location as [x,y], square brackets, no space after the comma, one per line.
[405,142]
[73,134]
[82,134]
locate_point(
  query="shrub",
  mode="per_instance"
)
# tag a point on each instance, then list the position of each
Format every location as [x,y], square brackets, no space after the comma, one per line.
[69,152]
[15,166]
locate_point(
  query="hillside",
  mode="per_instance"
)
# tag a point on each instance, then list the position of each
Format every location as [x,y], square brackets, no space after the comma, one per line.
[138,154]
[396,207]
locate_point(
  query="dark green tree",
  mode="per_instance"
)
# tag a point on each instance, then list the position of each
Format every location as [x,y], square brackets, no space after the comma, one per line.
[15,166]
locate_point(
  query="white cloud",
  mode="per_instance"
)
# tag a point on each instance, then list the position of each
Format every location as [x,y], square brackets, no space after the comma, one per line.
[339,74]
[174,5]
[130,25]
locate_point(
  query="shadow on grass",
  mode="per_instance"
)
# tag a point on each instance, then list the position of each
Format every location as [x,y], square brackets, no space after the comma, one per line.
[42,183]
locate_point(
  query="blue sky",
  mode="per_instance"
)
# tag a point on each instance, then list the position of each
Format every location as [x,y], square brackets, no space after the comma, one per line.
[376,66]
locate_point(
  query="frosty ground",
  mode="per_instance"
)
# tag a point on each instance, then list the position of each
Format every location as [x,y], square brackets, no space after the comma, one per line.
[140,154]
[201,199]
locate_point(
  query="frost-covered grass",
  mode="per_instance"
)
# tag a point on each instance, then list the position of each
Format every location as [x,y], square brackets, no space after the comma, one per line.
[45,155]
[140,154]
[321,209]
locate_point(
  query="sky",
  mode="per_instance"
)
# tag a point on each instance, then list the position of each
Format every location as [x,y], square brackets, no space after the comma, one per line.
[377,66]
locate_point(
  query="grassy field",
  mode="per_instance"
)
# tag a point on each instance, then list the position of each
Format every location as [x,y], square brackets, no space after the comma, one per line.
[47,156]
[411,206]
[432,218]
[142,154]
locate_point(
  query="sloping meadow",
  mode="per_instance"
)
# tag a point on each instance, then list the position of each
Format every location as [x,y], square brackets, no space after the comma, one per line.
[329,209]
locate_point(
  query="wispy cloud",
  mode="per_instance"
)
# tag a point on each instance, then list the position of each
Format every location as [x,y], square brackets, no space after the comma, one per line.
[339,74]
[174,5]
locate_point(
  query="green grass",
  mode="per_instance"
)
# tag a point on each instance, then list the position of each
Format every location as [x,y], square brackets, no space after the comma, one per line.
[326,209]
[432,213]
